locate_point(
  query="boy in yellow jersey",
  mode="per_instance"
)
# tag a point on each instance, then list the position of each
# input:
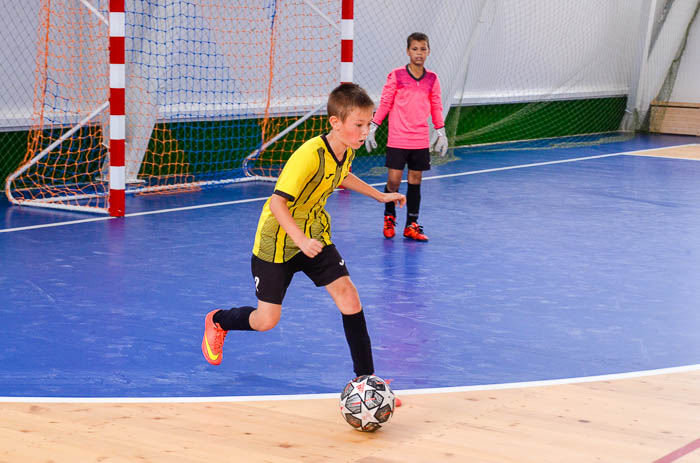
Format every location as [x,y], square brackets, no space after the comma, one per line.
[294,232]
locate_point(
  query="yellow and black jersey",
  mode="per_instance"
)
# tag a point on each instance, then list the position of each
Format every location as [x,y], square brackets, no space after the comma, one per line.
[307,180]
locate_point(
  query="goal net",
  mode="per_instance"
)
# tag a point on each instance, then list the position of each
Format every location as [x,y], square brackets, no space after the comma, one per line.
[215,92]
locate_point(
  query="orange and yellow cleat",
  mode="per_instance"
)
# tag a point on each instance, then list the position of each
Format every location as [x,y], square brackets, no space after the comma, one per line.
[213,341]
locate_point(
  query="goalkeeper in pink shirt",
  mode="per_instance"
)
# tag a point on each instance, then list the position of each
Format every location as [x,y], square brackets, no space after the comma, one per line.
[411,94]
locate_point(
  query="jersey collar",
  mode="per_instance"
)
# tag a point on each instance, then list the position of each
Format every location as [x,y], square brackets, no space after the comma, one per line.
[330,150]
[417,79]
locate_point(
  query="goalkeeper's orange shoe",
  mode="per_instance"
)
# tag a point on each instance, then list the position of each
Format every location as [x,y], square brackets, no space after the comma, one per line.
[213,341]
[389,225]
[414,232]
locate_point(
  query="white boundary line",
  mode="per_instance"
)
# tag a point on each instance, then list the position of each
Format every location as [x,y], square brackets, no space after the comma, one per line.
[135,214]
[561,161]
[436,177]
[439,390]
[55,224]
[201,206]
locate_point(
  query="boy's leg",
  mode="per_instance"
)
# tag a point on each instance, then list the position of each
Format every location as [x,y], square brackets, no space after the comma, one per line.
[347,299]
[325,271]
[418,161]
[271,282]
[413,196]
[392,186]
[263,318]
[395,162]
[413,230]
[328,270]
[393,181]
[218,323]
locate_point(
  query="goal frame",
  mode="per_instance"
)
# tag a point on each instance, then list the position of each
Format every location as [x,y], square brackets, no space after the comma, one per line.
[117,116]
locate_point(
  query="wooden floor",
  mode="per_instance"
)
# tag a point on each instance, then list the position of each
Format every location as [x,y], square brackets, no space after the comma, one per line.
[677,152]
[647,419]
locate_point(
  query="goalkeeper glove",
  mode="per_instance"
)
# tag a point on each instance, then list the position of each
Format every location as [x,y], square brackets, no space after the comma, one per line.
[440,143]
[370,142]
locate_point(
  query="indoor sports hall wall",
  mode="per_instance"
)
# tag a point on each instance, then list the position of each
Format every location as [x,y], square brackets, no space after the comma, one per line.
[510,69]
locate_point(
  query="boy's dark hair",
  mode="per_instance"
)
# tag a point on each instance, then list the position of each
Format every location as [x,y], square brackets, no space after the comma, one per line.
[346,97]
[417,37]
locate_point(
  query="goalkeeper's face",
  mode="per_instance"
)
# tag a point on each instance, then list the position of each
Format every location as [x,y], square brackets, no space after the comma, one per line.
[354,129]
[418,52]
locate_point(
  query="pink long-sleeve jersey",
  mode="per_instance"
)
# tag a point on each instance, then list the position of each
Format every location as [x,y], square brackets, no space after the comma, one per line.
[409,101]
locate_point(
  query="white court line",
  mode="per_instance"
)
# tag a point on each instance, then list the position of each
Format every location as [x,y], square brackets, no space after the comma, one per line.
[201,206]
[135,214]
[521,166]
[546,163]
[55,224]
[436,390]
[435,177]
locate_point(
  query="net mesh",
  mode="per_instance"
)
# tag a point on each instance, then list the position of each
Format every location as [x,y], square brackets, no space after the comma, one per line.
[69,86]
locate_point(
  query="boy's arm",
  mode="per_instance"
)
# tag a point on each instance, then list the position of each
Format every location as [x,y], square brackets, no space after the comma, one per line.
[354,183]
[278,206]
[386,102]
[440,144]
[436,105]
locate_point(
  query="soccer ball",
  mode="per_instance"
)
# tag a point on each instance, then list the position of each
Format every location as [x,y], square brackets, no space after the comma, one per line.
[367,403]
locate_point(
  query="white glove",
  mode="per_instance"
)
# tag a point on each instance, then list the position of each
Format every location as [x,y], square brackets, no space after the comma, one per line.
[440,143]
[370,142]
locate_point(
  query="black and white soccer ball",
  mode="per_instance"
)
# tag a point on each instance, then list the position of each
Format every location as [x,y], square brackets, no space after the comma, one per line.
[367,403]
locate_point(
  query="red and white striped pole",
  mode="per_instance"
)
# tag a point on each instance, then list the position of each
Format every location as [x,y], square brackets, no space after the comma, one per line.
[347,16]
[347,34]
[117,117]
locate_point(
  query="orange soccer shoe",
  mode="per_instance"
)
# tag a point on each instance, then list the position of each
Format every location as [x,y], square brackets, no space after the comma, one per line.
[414,232]
[389,225]
[213,341]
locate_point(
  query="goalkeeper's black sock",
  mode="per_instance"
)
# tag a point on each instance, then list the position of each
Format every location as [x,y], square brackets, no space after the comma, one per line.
[412,203]
[390,207]
[236,318]
[358,340]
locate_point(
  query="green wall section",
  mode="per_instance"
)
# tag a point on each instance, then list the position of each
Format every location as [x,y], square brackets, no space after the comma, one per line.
[473,125]
[210,147]
[13,145]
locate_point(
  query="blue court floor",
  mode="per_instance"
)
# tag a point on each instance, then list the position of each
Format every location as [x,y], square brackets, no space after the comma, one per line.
[546,260]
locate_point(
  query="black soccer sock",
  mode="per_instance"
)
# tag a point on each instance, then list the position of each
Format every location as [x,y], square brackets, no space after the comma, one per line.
[390,207]
[412,203]
[360,345]
[236,318]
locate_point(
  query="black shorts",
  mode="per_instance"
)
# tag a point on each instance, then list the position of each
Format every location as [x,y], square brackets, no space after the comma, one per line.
[273,279]
[397,158]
